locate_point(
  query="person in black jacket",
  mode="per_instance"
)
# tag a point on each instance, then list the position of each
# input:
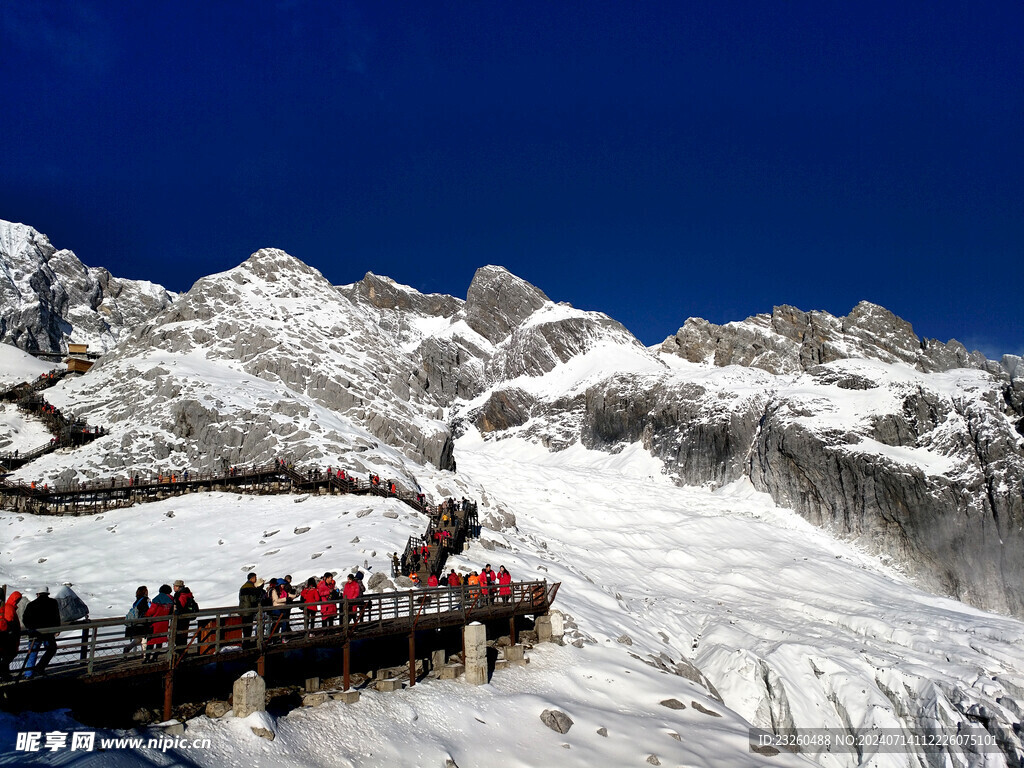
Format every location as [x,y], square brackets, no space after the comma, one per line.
[250,595]
[41,613]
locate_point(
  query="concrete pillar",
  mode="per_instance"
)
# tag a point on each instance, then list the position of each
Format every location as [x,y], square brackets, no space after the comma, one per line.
[514,652]
[436,660]
[543,627]
[249,695]
[557,626]
[474,637]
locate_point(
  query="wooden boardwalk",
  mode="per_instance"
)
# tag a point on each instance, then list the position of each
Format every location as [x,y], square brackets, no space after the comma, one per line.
[93,651]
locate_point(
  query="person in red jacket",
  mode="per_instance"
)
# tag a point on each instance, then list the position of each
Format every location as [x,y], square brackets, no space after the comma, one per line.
[326,590]
[432,580]
[351,592]
[162,605]
[309,596]
[504,579]
[10,634]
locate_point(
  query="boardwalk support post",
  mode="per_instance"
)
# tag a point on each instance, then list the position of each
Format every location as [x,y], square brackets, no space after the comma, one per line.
[474,637]
[412,658]
[346,665]
[168,692]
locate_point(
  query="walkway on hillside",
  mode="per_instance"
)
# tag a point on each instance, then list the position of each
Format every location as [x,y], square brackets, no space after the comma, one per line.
[66,433]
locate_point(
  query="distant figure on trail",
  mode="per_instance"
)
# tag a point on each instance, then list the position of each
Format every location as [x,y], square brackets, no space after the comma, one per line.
[162,605]
[41,613]
[137,631]
[10,634]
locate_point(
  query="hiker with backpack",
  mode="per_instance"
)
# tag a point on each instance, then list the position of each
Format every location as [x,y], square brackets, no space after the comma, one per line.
[41,613]
[185,606]
[135,629]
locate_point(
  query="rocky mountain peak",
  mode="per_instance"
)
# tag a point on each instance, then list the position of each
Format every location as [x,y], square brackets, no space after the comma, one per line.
[498,302]
[48,298]
[385,293]
[790,340]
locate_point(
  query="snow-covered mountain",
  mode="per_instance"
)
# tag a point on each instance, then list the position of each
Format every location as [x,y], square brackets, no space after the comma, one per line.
[854,422]
[48,298]
[656,483]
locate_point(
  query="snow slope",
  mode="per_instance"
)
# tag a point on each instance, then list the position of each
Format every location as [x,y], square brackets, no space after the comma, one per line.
[790,625]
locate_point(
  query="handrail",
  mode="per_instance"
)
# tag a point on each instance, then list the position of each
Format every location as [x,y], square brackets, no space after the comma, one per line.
[96,647]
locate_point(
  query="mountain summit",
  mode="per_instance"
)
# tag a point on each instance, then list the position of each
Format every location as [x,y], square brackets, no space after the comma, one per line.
[48,298]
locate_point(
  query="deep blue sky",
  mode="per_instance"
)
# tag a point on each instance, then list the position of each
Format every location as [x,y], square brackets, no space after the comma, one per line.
[651,160]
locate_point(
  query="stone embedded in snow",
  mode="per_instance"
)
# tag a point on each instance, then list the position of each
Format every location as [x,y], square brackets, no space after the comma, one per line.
[556,720]
[602,731]
[378,582]
[672,704]
[302,498]
[701,708]
[304,529]
[364,512]
[264,733]
[624,640]
[354,540]
[216,709]
[391,514]
[653,760]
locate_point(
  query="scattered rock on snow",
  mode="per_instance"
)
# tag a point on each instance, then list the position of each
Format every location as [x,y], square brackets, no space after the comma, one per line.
[303,529]
[673,704]
[624,639]
[602,731]
[379,582]
[302,498]
[391,515]
[700,708]
[215,709]
[556,720]
[264,733]
[653,760]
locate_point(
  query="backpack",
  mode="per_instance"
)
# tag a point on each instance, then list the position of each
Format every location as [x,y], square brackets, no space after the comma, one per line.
[189,605]
[134,614]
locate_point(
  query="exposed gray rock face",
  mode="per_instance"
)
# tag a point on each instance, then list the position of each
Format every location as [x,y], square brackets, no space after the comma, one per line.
[48,298]
[264,360]
[498,301]
[789,340]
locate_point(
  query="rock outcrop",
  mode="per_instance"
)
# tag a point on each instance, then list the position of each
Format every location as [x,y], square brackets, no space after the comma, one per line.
[48,298]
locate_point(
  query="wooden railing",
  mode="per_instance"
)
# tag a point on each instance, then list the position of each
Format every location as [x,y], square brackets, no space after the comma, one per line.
[97,648]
